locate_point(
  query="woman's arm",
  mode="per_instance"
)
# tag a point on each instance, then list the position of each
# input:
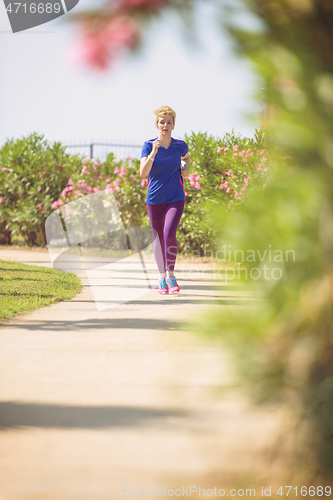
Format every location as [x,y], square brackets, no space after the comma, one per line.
[147,161]
[184,170]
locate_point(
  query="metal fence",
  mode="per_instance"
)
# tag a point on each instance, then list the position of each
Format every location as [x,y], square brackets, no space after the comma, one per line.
[100,149]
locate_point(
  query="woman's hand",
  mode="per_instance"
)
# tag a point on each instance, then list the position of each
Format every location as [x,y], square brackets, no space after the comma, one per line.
[185,164]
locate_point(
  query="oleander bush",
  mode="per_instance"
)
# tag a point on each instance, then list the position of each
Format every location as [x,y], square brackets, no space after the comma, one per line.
[32,175]
[37,178]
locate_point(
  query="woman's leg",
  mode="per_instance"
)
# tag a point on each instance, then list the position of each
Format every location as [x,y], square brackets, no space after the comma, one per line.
[174,212]
[156,215]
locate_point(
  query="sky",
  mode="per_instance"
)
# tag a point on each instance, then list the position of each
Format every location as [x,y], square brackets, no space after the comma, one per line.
[44,89]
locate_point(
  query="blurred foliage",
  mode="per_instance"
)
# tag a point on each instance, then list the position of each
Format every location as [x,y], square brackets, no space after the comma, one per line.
[284,344]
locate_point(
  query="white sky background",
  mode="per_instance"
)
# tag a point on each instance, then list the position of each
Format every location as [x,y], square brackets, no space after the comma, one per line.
[42,89]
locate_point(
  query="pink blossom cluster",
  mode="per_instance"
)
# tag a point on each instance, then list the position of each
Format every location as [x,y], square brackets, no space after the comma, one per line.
[66,192]
[120,171]
[243,154]
[194,180]
[57,204]
[98,48]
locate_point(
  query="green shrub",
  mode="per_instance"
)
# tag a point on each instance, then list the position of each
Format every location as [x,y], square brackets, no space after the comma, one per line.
[32,175]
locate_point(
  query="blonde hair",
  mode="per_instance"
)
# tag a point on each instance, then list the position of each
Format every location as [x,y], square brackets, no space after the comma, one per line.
[164,110]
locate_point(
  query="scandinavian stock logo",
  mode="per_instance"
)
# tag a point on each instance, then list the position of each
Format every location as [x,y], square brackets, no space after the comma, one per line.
[87,236]
[25,15]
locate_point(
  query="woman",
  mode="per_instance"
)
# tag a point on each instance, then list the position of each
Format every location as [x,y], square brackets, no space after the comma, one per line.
[161,161]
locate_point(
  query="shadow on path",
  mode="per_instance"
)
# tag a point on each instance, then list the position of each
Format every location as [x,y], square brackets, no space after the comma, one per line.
[14,414]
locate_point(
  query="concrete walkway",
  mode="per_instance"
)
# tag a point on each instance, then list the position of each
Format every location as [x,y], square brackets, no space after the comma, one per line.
[94,401]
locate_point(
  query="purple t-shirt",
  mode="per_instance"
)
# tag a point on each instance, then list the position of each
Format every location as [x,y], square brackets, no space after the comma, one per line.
[165,183]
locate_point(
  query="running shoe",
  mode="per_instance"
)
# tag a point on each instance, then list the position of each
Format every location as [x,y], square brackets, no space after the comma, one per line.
[172,283]
[162,285]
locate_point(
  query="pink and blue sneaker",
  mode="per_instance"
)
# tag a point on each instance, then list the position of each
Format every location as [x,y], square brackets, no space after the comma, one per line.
[163,286]
[172,283]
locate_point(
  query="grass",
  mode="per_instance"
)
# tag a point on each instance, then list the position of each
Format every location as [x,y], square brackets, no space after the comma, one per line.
[24,287]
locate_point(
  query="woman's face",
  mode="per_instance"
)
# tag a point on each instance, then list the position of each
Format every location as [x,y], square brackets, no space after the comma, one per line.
[165,124]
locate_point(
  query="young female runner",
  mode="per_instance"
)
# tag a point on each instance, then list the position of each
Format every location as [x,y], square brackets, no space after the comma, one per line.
[161,160]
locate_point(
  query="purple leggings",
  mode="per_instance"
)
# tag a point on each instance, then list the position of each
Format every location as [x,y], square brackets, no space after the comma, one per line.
[164,220]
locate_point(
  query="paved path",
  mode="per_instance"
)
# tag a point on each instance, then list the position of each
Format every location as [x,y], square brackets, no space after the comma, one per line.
[93,401]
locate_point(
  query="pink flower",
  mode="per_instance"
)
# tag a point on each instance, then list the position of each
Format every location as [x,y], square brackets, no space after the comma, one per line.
[108,189]
[228,190]
[91,51]
[133,179]
[191,177]
[197,185]
[96,164]
[186,193]
[108,180]
[197,178]
[192,183]
[122,172]
[40,175]
[57,204]
[236,194]
[116,170]
[121,32]
[3,169]
[129,158]
[235,148]
[229,173]
[84,169]
[193,163]
[40,206]
[224,185]
[70,182]
[96,189]
[86,160]
[89,189]
[1,199]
